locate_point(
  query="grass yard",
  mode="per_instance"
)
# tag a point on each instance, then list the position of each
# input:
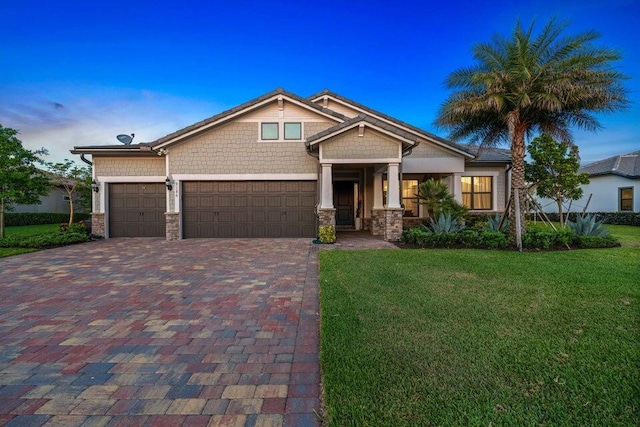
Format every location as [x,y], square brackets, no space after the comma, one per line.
[473,337]
[25,231]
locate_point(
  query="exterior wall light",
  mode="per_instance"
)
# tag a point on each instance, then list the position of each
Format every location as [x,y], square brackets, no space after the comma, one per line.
[168,184]
[94,186]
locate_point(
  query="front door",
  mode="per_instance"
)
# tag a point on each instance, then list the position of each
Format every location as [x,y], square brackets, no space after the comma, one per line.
[343,202]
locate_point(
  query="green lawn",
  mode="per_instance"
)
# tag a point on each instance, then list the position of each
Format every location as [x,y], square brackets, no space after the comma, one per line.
[473,337]
[26,230]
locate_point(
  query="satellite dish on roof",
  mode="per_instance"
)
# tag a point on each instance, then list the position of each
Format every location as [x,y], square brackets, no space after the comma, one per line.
[126,139]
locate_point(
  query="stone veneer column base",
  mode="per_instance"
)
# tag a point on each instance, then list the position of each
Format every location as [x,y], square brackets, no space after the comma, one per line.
[326,217]
[97,224]
[393,226]
[173,225]
[378,222]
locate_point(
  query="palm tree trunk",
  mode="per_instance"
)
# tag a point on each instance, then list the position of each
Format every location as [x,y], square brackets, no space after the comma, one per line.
[516,135]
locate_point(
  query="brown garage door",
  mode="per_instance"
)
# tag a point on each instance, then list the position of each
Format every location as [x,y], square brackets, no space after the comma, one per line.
[137,210]
[249,209]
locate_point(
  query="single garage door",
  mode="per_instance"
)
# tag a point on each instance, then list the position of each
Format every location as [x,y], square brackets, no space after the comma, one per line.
[249,209]
[137,210]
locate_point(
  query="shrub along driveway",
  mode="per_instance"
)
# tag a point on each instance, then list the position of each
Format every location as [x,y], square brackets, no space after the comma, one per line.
[145,331]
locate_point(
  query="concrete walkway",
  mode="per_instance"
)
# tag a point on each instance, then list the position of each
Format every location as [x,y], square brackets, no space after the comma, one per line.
[149,332]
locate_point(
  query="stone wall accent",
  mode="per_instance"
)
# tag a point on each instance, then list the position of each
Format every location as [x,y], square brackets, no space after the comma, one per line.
[173,225]
[366,224]
[97,224]
[378,222]
[235,149]
[349,145]
[122,166]
[393,226]
[326,217]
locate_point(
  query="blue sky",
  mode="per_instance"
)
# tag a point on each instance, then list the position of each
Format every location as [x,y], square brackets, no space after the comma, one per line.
[81,72]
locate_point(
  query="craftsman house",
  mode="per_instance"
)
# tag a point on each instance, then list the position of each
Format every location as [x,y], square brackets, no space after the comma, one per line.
[281,165]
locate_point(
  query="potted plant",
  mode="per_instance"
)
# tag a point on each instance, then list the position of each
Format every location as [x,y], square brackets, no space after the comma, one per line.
[358,220]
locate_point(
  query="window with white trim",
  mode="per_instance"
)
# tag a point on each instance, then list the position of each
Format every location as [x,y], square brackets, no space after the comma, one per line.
[477,192]
[626,198]
[281,131]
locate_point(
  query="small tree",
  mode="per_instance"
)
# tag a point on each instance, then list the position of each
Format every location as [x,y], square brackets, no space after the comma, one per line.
[554,171]
[20,180]
[73,181]
[435,197]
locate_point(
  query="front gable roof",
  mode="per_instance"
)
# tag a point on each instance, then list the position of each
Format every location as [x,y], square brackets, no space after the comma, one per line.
[626,165]
[408,139]
[243,109]
[391,120]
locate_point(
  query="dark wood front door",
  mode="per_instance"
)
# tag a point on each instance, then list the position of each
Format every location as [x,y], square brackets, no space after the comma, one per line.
[343,202]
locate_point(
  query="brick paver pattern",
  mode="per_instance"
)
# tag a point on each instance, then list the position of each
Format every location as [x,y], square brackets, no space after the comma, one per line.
[150,332]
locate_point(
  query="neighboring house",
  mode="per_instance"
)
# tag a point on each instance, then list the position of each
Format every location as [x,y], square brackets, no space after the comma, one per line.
[54,202]
[279,166]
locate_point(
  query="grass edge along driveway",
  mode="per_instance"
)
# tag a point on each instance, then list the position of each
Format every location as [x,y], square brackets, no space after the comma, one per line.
[472,337]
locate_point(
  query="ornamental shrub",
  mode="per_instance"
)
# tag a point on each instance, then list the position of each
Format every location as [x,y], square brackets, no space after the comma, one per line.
[327,234]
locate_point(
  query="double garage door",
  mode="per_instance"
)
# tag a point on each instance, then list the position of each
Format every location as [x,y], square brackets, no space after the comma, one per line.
[248,209]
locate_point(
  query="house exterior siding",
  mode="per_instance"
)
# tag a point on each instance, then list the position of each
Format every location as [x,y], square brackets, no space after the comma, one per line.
[372,145]
[236,149]
[118,166]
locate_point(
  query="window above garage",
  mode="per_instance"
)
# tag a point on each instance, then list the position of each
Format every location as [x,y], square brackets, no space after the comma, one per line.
[281,131]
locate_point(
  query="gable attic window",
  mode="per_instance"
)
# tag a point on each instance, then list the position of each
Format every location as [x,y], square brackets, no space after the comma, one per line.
[269,131]
[293,131]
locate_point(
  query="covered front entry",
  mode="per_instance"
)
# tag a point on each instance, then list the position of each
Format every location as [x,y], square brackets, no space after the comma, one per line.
[137,209]
[343,201]
[248,209]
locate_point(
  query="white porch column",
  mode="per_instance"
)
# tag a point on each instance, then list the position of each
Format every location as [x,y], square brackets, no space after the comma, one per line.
[393,188]
[326,201]
[377,191]
[456,187]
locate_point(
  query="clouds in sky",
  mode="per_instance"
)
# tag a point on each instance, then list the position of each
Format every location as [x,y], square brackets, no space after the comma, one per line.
[59,117]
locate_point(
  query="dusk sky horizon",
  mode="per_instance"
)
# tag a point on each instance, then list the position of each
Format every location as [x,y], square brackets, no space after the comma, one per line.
[81,73]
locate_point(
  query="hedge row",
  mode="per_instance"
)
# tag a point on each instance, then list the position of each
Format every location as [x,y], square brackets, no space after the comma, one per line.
[42,241]
[36,218]
[613,218]
[532,239]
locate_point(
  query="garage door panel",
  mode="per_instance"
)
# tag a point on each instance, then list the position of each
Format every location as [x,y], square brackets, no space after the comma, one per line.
[137,209]
[249,209]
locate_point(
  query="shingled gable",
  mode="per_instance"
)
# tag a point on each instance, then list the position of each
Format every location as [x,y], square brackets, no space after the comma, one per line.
[391,120]
[408,139]
[206,124]
[244,109]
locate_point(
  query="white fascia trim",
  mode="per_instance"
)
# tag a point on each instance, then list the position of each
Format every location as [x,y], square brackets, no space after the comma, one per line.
[247,177]
[363,161]
[369,125]
[241,112]
[132,178]
[408,130]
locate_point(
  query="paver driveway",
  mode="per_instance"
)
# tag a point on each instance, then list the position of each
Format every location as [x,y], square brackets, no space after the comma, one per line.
[150,332]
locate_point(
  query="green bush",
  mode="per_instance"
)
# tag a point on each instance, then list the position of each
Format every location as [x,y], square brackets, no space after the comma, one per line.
[493,239]
[327,234]
[593,242]
[539,239]
[12,219]
[43,241]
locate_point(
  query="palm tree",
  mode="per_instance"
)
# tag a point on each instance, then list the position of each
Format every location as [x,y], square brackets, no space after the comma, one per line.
[524,84]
